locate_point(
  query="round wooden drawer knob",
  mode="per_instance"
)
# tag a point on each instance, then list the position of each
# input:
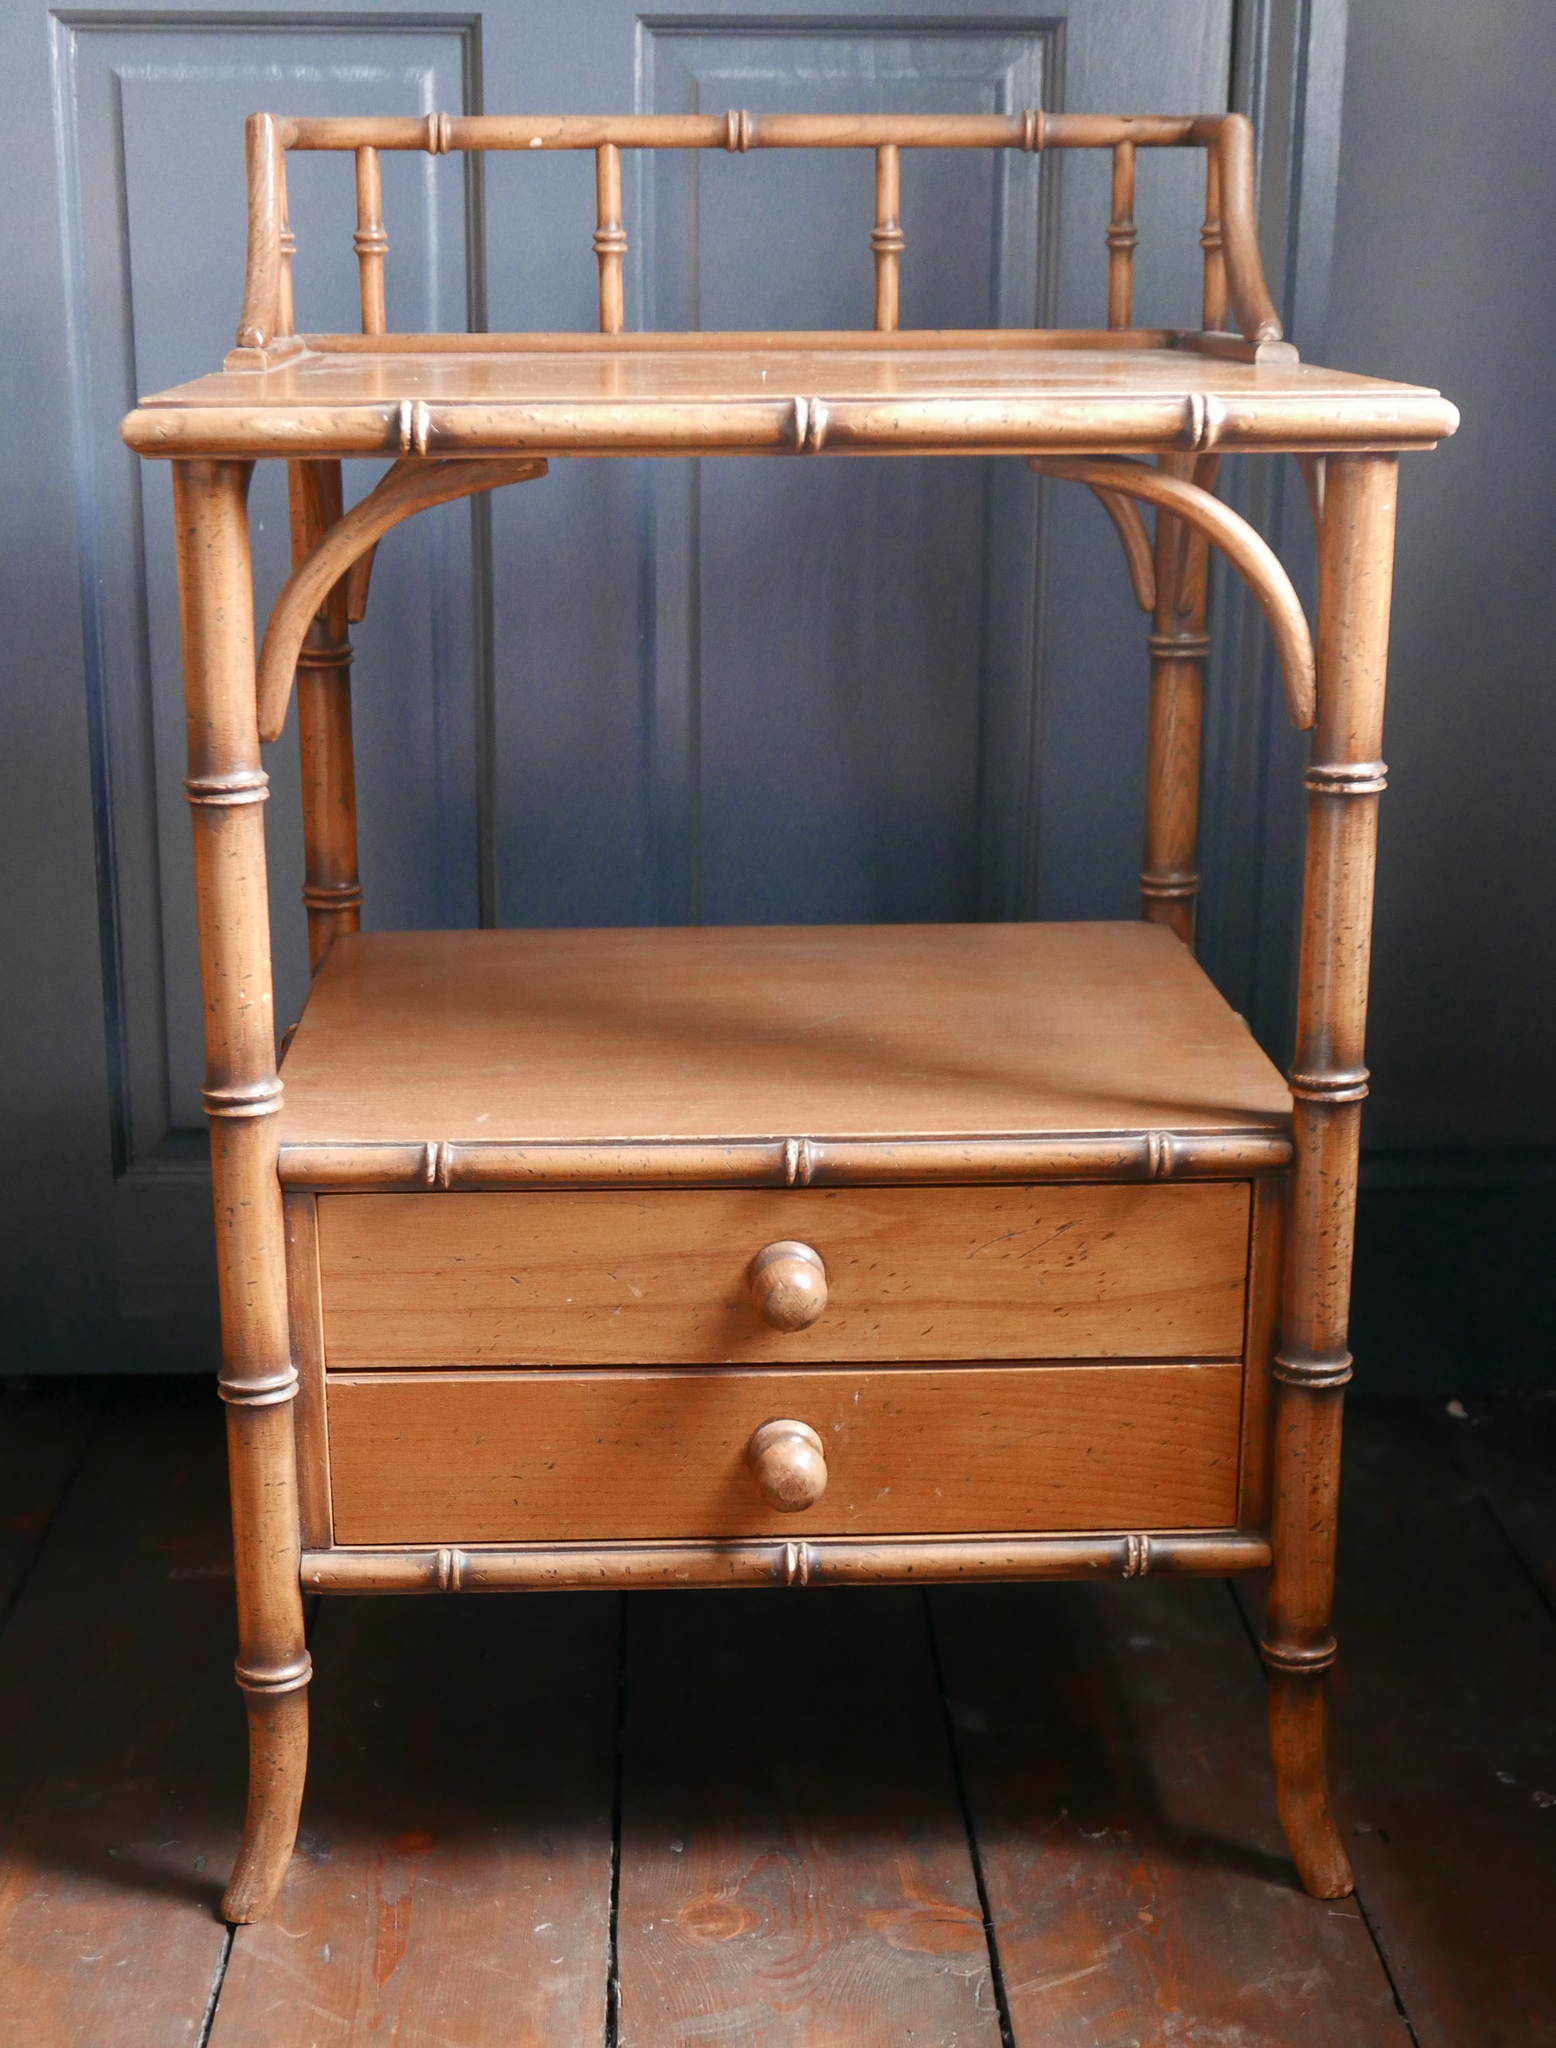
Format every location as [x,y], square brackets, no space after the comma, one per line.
[788,1284]
[790,1465]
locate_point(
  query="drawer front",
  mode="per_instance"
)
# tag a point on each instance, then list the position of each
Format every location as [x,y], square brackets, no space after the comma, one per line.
[469,1458]
[662,1276]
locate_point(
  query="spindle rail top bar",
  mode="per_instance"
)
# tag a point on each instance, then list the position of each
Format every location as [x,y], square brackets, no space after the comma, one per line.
[1118,389]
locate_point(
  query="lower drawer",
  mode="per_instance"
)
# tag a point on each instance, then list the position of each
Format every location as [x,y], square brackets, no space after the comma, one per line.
[549,1456]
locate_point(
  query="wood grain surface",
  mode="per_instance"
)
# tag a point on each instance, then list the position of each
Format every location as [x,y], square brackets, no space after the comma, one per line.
[121,1741]
[453,1878]
[894,1031]
[794,1863]
[647,1277]
[1119,1784]
[455,1458]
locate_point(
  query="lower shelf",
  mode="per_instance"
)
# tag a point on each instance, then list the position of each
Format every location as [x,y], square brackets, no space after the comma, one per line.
[842,1560]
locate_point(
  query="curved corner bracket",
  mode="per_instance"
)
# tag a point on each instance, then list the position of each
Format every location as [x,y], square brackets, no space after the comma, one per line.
[1246,288]
[1314,470]
[411,485]
[358,577]
[1253,559]
[1202,473]
[1138,552]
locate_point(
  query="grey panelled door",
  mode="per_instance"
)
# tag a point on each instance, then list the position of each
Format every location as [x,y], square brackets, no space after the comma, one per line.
[634,692]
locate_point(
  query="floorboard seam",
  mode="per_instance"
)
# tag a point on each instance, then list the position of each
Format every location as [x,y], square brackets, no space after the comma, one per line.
[218,1978]
[1383,1963]
[996,1972]
[1471,1479]
[65,1492]
[612,1950]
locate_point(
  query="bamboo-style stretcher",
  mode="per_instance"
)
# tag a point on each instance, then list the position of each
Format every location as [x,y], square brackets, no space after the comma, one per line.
[371,1336]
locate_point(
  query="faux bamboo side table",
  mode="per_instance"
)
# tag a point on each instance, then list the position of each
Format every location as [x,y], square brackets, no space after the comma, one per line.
[731,1257]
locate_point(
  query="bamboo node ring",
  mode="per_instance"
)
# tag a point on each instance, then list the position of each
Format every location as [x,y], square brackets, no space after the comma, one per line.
[331,895]
[1347,778]
[451,1564]
[268,1390]
[1346,1084]
[1137,1556]
[221,792]
[1300,1660]
[810,426]
[439,134]
[333,654]
[1158,1154]
[1032,130]
[737,131]
[415,425]
[1175,887]
[290,1675]
[244,1098]
[1178,646]
[1206,418]
[796,1564]
[1311,1371]
[798,1161]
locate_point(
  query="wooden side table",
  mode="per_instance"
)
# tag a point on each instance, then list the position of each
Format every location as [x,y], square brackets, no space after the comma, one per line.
[791,1256]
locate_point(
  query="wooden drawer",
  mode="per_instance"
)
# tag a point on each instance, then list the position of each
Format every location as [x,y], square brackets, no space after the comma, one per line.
[660,1276]
[469,1458]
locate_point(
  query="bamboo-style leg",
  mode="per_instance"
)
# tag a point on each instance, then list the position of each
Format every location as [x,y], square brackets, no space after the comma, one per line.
[331,889]
[1328,1082]
[1169,880]
[226,788]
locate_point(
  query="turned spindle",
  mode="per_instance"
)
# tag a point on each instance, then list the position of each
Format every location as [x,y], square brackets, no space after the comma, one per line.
[287,244]
[788,1284]
[1213,314]
[370,241]
[886,238]
[1169,877]
[610,237]
[790,1465]
[1122,236]
[332,891]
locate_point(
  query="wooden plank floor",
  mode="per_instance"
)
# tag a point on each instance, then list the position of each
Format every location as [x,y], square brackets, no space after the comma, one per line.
[1008,1817]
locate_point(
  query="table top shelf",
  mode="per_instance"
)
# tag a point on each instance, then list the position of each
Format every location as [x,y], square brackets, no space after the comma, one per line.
[1002,392]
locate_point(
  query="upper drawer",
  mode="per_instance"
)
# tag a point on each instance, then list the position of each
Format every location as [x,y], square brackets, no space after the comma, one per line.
[912,1273]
